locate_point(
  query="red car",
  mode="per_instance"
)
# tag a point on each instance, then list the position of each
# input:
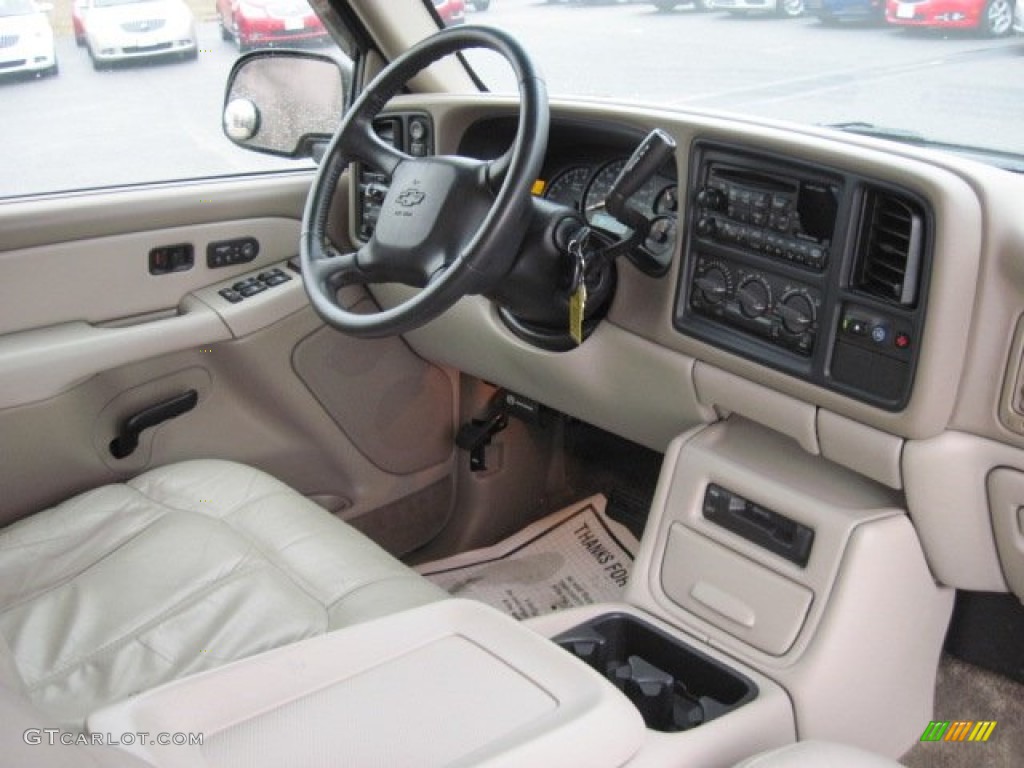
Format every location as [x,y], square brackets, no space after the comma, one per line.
[266,23]
[992,17]
[452,12]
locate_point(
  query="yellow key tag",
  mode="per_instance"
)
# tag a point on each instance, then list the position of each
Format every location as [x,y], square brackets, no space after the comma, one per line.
[577,305]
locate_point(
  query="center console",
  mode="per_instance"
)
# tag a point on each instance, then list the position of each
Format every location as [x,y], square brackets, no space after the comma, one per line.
[807,269]
[801,569]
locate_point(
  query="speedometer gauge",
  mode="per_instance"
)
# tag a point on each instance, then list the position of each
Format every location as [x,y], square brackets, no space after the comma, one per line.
[569,187]
[602,185]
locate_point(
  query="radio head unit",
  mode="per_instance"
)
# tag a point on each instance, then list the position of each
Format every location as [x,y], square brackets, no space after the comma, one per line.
[781,216]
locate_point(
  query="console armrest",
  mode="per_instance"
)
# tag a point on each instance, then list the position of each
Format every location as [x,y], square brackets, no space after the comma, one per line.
[454,682]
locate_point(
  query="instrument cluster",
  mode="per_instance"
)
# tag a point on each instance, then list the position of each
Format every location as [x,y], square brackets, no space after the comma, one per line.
[584,187]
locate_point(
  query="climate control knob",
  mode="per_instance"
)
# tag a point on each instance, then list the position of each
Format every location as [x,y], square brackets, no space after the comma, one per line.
[713,284]
[754,295]
[797,312]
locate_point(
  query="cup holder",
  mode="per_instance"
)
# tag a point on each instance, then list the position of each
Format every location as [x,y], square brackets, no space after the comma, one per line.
[675,687]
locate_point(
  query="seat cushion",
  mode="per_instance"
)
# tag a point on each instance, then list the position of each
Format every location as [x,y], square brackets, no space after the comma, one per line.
[182,569]
[818,754]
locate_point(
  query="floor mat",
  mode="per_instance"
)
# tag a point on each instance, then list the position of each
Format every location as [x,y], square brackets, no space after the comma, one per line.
[576,556]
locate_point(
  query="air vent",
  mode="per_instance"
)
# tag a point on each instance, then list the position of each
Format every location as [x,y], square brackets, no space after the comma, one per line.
[891,248]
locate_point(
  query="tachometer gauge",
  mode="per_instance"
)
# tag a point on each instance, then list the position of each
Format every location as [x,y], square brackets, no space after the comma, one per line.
[601,185]
[569,187]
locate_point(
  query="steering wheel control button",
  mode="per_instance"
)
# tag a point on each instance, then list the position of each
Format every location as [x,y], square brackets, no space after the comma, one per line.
[227,253]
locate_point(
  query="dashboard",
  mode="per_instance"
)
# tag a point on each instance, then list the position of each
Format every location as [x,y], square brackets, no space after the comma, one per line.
[806,268]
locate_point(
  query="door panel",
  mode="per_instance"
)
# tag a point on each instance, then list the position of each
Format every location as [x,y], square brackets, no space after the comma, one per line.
[89,337]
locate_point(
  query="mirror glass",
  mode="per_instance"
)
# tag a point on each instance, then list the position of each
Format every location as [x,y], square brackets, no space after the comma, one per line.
[281,102]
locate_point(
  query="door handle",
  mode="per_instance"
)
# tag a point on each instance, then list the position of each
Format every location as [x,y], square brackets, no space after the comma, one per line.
[127,439]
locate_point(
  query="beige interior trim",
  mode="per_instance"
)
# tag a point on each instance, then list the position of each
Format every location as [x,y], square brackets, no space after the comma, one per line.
[728,393]
[947,497]
[260,311]
[119,267]
[615,380]
[464,685]
[1006,496]
[869,451]
[876,614]
[39,364]
[73,218]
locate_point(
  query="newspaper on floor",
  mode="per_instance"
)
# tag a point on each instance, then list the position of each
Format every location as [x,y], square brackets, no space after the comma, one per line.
[576,556]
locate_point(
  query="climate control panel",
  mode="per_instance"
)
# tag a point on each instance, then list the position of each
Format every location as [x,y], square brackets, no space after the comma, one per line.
[778,309]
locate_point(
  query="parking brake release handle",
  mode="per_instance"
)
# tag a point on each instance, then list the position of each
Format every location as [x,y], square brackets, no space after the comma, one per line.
[127,439]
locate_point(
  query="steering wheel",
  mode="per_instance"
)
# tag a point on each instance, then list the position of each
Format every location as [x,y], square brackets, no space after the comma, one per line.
[448,225]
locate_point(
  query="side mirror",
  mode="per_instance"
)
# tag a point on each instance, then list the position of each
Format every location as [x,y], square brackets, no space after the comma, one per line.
[285,103]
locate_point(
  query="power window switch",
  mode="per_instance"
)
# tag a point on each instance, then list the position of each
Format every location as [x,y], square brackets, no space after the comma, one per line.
[252,290]
[231,295]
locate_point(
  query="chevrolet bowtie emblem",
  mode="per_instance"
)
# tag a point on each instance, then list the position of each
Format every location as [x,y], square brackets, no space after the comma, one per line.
[408,198]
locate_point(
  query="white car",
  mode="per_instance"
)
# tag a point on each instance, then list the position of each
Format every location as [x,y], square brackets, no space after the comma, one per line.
[26,38]
[122,30]
[786,8]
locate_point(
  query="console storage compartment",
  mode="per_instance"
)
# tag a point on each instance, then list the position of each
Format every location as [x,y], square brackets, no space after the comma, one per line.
[728,590]
[454,682]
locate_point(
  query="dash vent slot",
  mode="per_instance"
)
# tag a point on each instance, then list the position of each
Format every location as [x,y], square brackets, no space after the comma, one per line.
[891,248]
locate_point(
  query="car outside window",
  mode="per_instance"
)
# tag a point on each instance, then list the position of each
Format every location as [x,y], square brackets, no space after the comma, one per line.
[133,90]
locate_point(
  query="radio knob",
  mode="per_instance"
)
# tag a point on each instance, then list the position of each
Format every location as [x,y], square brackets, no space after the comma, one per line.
[796,311]
[713,285]
[711,198]
[707,226]
[754,295]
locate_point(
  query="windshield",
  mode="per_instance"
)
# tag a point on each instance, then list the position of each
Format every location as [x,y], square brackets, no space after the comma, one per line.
[17,7]
[109,3]
[894,71]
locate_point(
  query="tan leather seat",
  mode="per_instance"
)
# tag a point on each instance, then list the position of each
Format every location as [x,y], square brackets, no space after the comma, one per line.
[182,569]
[818,754]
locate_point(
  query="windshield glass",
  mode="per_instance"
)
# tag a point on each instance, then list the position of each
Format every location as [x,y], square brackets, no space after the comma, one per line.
[916,71]
[109,3]
[17,7]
